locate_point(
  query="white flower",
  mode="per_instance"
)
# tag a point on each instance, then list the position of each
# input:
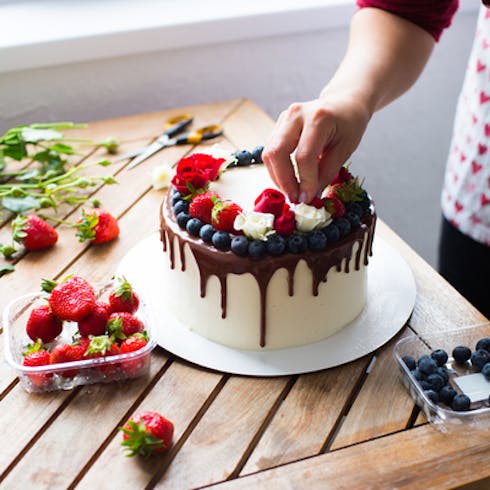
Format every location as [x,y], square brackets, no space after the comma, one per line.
[218,151]
[161,175]
[310,218]
[255,225]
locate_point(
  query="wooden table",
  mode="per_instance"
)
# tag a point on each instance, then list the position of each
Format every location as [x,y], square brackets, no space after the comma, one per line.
[339,428]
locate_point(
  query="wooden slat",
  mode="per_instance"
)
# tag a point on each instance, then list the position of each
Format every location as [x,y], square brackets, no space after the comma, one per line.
[306,417]
[57,457]
[412,459]
[178,395]
[216,446]
[382,406]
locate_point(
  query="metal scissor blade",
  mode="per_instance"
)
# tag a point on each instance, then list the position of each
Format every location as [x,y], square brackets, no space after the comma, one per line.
[146,153]
[129,154]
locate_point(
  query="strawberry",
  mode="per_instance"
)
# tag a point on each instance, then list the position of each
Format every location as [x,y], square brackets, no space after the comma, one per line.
[122,324]
[123,298]
[335,207]
[97,226]
[103,346]
[81,343]
[131,367]
[350,191]
[66,353]
[95,322]
[72,299]
[43,324]
[343,176]
[316,202]
[146,433]
[224,214]
[36,356]
[33,232]
[202,205]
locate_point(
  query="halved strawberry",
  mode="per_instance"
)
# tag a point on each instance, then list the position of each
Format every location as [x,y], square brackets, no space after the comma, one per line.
[202,205]
[132,367]
[224,214]
[72,299]
[43,324]
[35,355]
[33,232]
[123,298]
[97,226]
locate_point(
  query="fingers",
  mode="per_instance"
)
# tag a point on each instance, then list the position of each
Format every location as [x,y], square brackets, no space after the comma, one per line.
[277,153]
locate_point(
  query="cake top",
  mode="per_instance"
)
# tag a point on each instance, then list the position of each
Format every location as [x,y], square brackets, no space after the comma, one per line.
[229,201]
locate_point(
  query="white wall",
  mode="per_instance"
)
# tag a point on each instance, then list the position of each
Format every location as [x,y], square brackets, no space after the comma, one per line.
[402,154]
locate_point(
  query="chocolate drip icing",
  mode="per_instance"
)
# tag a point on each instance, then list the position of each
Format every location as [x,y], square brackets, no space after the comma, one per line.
[211,261]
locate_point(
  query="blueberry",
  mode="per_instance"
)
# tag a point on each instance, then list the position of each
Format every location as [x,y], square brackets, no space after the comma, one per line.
[244,158]
[485,370]
[436,381]
[317,241]
[221,240]
[343,225]
[461,354]
[181,207]
[432,395]
[417,374]
[409,362]
[275,245]
[176,197]
[354,207]
[442,371]
[331,232]
[257,154]
[425,385]
[440,356]
[239,245]
[207,232]
[194,226]
[447,394]
[365,202]
[483,344]
[182,219]
[479,358]
[297,244]
[460,403]
[353,219]
[256,249]
[427,365]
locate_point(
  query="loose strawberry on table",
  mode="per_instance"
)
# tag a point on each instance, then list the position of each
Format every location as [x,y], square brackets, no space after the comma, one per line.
[97,226]
[123,298]
[33,232]
[147,433]
[43,324]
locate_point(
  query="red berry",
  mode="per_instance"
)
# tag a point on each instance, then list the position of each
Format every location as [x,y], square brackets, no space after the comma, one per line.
[343,176]
[224,214]
[36,356]
[72,299]
[147,433]
[97,226]
[62,353]
[335,207]
[132,367]
[202,205]
[43,324]
[122,324]
[33,232]
[103,346]
[124,298]
[95,322]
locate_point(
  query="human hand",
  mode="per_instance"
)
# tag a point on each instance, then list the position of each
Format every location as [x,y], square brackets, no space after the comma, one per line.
[322,133]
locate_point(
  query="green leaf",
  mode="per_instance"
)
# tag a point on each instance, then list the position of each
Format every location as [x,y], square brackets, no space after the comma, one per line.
[16,151]
[20,204]
[62,148]
[6,269]
[7,251]
[109,180]
[33,135]
[104,163]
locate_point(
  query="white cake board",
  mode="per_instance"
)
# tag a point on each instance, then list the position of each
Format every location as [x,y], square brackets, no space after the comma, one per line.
[391,297]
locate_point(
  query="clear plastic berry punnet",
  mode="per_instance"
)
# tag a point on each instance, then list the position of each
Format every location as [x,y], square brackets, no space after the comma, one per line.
[461,377]
[65,376]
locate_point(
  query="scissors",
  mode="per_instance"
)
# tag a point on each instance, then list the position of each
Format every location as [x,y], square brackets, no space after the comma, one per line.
[172,128]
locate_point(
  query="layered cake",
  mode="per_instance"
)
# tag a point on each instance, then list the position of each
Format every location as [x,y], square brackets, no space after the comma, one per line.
[245,268]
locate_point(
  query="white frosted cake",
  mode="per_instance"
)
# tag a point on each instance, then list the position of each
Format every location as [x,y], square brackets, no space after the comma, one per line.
[248,270]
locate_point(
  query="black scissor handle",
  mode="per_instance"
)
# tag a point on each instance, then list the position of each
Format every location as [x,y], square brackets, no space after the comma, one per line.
[177,124]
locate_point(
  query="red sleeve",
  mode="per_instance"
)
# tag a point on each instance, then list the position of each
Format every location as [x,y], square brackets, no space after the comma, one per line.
[433,16]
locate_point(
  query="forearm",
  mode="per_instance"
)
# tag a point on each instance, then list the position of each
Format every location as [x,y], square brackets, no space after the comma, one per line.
[385,56]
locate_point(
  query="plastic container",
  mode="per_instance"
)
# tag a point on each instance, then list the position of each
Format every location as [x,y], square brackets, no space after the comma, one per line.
[65,376]
[444,417]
